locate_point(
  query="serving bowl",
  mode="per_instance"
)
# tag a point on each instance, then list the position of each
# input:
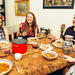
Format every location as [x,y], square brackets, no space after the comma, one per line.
[32,40]
[9,64]
[4,44]
[50,55]
[5,48]
[58,43]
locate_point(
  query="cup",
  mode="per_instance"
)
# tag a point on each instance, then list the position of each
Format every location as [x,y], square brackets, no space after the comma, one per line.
[35,45]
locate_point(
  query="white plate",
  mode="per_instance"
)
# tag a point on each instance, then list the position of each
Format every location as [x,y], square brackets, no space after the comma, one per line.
[46,47]
[54,43]
[8,62]
[31,40]
[50,52]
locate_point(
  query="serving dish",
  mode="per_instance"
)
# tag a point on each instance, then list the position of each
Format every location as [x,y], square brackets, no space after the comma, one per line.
[50,55]
[45,47]
[5,66]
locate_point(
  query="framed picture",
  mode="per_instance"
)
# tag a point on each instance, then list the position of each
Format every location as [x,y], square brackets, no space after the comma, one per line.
[64,4]
[21,7]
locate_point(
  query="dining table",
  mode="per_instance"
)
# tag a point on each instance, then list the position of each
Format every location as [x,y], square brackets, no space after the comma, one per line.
[33,63]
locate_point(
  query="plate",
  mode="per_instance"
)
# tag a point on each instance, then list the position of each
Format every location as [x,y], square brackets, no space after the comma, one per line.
[8,62]
[46,47]
[50,55]
[32,40]
[58,43]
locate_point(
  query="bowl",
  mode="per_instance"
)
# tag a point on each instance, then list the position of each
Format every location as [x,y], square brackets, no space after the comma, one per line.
[4,44]
[59,43]
[18,56]
[32,40]
[46,47]
[50,55]
[8,62]
[5,48]
[35,46]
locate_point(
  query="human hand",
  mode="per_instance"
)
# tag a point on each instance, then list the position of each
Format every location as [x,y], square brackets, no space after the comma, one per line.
[24,33]
[68,58]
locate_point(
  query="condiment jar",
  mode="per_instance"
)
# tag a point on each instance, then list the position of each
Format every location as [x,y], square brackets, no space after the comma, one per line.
[67,44]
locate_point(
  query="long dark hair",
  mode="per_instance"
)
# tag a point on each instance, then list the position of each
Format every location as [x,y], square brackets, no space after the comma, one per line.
[26,25]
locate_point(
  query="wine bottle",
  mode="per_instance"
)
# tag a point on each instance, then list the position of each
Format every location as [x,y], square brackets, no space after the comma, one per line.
[20,33]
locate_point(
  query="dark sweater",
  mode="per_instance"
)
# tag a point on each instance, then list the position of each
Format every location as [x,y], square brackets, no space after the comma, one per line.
[69,31]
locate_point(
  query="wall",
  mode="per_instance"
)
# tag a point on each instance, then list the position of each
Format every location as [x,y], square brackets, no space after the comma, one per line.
[48,18]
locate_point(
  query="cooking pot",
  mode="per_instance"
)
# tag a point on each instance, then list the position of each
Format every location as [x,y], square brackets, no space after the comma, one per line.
[19,45]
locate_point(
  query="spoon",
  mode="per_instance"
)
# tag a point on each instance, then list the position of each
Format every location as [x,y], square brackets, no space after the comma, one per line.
[16,66]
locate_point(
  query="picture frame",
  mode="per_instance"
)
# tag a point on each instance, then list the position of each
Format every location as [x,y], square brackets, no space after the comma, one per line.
[58,4]
[21,7]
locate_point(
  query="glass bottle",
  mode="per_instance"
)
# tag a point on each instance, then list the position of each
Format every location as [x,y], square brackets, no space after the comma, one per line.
[20,33]
[67,46]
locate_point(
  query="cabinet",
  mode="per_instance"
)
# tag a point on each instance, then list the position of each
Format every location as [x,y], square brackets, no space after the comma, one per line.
[2,12]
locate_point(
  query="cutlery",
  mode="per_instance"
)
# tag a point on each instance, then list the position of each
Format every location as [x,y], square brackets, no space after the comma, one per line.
[16,66]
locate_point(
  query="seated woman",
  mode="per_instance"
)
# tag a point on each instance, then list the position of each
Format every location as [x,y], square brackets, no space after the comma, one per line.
[28,28]
[3,32]
[70,30]
[71,60]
